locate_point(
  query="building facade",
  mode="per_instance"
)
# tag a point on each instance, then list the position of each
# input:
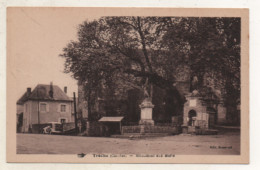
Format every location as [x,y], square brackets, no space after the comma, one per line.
[46,103]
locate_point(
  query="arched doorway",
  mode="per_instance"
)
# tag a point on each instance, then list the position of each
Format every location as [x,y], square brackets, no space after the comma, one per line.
[191,115]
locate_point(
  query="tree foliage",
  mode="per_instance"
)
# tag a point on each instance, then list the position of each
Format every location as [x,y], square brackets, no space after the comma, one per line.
[120,53]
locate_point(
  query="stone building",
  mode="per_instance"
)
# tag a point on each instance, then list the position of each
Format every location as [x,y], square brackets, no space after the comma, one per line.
[46,103]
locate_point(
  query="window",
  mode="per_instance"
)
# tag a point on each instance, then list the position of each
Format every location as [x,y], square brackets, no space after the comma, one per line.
[62,120]
[58,127]
[43,107]
[63,108]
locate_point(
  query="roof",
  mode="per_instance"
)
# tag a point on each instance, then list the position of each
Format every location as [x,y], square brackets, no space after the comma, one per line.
[111,119]
[41,92]
[22,99]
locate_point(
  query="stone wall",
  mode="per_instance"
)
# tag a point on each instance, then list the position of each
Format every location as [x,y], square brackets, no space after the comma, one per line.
[131,129]
[152,129]
[201,123]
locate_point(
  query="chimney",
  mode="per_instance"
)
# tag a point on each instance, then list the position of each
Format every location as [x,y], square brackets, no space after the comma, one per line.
[51,91]
[65,89]
[29,90]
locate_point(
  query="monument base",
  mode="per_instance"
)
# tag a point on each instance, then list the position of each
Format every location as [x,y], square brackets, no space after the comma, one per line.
[146,113]
[146,122]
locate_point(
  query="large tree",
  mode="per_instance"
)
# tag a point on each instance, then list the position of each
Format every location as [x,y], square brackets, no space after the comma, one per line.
[120,53]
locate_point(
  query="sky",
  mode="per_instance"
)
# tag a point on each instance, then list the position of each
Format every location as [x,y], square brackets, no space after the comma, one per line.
[35,40]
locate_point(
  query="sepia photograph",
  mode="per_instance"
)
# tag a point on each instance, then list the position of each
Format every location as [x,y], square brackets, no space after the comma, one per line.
[127,85]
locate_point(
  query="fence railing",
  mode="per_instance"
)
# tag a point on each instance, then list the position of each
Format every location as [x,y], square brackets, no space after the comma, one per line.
[152,129]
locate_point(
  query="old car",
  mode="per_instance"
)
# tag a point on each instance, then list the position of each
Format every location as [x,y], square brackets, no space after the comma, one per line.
[53,128]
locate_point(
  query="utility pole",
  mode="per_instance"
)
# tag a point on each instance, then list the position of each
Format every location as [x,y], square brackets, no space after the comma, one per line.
[75,113]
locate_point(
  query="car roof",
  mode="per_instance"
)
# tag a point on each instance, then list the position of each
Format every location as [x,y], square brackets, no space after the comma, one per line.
[54,122]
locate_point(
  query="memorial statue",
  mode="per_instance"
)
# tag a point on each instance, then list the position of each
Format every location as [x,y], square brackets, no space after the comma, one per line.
[146,106]
[146,88]
[194,83]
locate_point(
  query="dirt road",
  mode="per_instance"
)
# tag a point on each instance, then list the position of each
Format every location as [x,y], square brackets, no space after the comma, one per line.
[228,144]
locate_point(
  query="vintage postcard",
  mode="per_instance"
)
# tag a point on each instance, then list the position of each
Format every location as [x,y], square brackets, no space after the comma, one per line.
[127,85]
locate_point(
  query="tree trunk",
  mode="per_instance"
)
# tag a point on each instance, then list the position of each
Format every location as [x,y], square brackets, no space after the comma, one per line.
[89,103]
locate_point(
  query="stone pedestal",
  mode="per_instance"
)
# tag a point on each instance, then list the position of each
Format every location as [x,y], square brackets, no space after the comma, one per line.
[88,128]
[146,112]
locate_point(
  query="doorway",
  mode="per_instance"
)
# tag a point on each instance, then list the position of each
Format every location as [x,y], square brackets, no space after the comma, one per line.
[191,115]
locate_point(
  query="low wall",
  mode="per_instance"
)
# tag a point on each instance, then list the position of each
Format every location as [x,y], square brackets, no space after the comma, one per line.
[202,124]
[152,129]
[162,129]
[131,129]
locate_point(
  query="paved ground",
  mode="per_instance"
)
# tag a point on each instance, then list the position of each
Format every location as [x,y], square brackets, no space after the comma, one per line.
[223,144]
